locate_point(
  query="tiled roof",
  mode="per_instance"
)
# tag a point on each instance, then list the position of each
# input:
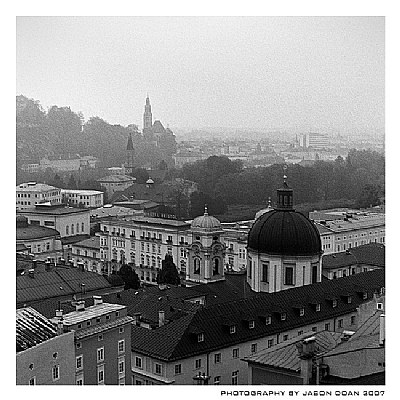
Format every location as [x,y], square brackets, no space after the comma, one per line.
[73,239]
[157,192]
[373,379]
[285,355]
[31,232]
[208,319]
[150,221]
[367,254]
[56,283]
[32,328]
[117,178]
[102,327]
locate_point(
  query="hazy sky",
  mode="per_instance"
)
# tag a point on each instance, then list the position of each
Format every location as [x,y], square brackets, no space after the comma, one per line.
[319,73]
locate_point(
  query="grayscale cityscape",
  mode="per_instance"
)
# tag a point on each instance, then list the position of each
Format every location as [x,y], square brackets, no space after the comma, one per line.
[200,201]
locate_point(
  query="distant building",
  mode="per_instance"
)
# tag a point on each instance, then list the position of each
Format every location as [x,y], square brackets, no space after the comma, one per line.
[68,221]
[116,183]
[102,341]
[353,261]
[82,198]
[87,252]
[43,242]
[343,229]
[313,140]
[67,163]
[45,356]
[32,193]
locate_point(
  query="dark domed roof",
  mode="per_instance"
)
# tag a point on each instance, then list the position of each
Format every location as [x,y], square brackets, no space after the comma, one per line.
[284,232]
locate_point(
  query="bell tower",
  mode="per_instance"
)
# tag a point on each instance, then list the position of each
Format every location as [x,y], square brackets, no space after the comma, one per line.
[147,116]
[130,153]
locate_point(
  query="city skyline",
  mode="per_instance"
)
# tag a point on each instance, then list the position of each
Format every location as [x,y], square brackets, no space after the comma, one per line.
[261,73]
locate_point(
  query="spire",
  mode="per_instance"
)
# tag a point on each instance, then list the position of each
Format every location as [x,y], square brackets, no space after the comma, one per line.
[205,210]
[269,205]
[285,195]
[129,146]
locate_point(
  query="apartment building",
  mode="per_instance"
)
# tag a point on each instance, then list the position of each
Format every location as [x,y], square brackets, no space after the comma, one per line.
[29,194]
[82,198]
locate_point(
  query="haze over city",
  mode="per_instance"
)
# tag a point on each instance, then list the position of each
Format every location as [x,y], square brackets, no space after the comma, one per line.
[262,73]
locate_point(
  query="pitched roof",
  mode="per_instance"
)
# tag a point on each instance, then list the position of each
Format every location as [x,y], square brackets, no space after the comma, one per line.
[56,283]
[90,243]
[208,319]
[368,254]
[53,210]
[32,328]
[285,355]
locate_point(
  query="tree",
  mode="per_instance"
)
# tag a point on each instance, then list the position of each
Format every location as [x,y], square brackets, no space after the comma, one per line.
[141,175]
[163,166]
[72,182]
[369,196]
[169,273]
[129,276]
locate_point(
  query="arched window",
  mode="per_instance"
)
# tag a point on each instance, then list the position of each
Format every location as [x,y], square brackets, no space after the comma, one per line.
[196,266]
[83,227]
[114,254]
[77,228]
[159,262]
[153,261]
[72,229]
[148,260]
[142,259]
[133,257]
[67,230]
[216,266]
[122,256]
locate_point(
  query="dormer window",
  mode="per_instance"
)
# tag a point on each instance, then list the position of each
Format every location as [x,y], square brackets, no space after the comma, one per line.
[268,320]
[232,329]
[365,295]
[334,303]
[348,299]
[301,312]
[200,337]
[283,316]
[318,307]
[251,324]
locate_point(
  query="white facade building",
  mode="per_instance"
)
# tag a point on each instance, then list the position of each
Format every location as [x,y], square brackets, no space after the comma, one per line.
[31,193]
[83,198]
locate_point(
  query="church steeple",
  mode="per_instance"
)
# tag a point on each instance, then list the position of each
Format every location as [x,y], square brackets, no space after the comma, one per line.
[147,116]
[130,152]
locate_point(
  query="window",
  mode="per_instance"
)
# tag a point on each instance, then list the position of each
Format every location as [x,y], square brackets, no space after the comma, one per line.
[334,303]
[79,380]
[254,347]
[318,307]
[301,312]
[100,354]
[283,316]
[235,377]
[32,381]
[340,323]
[78,345]
[217,380]
[121,346]
[299,333]
[216,266]
[264,275]
[314,273]
[217,358]
[100,337]
[314,329]
[200,337]
[121,366]
[289,275]
[138,362]
[328,326]
[235,353]
[285,337]
[352,320]
[268,320]
[379,306]
[79,362]
[121,329]
[270,343]
[197,363]
[251,324]
[56,372]
[196,270]
[178,369]
[100,375]
[232,329]
[88,323]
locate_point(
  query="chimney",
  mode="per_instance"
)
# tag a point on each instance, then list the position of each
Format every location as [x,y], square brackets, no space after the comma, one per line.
[306,349]
[60,326]
[31,273]
[81,266]
[59,313]
[47,265]
[382,330]
[80,305]
[34,263]
[136,318]
[161,318]
[97,300]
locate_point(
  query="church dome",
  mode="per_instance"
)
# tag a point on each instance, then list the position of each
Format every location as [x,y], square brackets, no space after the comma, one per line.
[284,231]
[206,222]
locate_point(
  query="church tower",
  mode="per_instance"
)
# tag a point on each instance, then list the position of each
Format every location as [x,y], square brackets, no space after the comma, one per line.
[147,116]
[207,252]
[130,153]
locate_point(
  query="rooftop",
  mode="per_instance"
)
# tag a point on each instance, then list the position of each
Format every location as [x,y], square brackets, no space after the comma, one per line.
[35,187]
[52,210]
[116,179]
[32,232]
[90,243]
[368,254]
[81,191]
[32,328]
[149,220]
